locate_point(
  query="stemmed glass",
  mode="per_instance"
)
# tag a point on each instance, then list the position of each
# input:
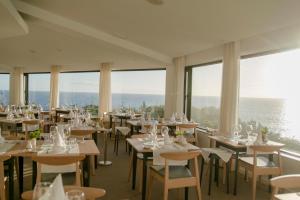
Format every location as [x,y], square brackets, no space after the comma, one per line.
[249,129]
[236,131]
[52,133]
[164,131]
[42,190]
[75,195]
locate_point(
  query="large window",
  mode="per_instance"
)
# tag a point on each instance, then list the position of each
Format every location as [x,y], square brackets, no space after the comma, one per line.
[4,89]
[80,89]
[205,94]
[39,89]
[269,95]
[139,90]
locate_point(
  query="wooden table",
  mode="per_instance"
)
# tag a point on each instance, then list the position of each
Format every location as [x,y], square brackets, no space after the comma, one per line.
[288,196]
[12,125]
[237,148]
[137,146]
[88,148]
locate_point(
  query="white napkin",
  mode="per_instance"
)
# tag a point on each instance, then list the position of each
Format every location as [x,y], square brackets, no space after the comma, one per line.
[59,141]
[222,153]
[123,130]
[58,191]
[158,160]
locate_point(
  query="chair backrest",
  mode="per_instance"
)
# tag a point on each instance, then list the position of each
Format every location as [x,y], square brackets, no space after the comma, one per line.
[286,181]
[32,122]
[187,126]
[2,184]
[268,149]
[82,133]
[58,161]
[180,155]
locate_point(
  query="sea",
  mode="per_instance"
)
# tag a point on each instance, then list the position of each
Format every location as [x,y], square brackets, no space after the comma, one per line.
[280,115]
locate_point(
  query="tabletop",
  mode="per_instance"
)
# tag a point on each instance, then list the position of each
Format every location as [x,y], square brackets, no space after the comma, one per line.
[88,147]
[137,144]
[236,144]
[166,123]
[288,196]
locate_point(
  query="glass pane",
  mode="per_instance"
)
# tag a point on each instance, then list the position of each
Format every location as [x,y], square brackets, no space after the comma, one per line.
[80,89]
[39,89]
[206,91]
[269,95]
[139,90]
[4,89]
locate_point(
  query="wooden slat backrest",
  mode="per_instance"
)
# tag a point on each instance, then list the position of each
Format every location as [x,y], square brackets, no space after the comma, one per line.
[82,133]
[186,126]
[57,160]
[180,155]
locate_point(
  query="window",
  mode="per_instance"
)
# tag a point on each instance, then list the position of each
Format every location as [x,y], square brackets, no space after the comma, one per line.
[269,95]
[39,89]
[205,94]
[80,89]
[4,89]
[140,90]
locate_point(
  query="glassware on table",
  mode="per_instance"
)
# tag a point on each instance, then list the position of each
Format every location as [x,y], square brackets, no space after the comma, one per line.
[42,189]
[67,132]
[236,131]
[52,132]
[164,130]
[249,129]
[75,195]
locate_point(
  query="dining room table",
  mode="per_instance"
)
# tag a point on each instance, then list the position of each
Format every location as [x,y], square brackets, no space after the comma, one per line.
[238,146]
[18,150]
[138,146]
[288,196]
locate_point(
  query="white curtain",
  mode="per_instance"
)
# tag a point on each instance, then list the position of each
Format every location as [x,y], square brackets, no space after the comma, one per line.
[230,88]
[17,86]
[175,86]
[105,88]
[54,93]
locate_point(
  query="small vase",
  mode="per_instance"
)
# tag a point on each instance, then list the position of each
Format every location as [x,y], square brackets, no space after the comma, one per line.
[33,143]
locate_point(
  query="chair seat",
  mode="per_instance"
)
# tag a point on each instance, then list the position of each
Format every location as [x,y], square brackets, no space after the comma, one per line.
[174,171]
[261,161]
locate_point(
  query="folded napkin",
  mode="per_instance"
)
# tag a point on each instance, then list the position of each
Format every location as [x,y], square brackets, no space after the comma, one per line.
[123,130]
[158,160]
[225,155]
[56,192]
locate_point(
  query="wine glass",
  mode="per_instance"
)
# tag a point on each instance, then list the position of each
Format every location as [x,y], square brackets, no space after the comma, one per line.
[249,129]
[164,131]
[236,131]
[42,190]
[75,195]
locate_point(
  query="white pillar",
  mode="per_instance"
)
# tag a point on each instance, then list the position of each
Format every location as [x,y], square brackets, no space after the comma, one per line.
[230,88]
[54,91]
[17,86]
[105,88]
[175,87]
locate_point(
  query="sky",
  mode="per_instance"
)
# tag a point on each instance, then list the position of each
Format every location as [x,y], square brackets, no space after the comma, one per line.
[142,82]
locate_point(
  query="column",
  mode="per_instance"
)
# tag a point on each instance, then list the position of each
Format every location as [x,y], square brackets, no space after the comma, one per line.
[230,88]
[54,92]
[105,89]
[17,86]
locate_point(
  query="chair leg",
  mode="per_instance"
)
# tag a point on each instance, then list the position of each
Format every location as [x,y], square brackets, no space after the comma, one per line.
[150,183]
[130,167]
[210,175]
[227,165]
[166,190]
[254,187]
[198,191]
[92,164]
[201,172]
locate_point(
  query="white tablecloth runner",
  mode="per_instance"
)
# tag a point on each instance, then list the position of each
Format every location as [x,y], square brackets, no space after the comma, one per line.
[222,153]
[158,160]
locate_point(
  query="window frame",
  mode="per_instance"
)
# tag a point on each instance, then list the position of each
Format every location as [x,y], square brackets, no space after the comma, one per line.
[7,73]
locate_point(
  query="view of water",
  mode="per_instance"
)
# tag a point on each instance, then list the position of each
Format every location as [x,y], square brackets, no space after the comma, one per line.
[280,115]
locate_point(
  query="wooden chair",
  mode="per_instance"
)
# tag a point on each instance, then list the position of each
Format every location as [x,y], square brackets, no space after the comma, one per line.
[88,133]
[89,192]
[32,122]
[260,165]
[176,176]
[2,176]
[190,138]
[47,118]
[286,181]
[59,161]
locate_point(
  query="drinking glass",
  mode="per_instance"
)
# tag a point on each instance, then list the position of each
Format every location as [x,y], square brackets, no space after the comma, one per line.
[236,131]
[42,189]
[164,131]
[249,129]
[75,195]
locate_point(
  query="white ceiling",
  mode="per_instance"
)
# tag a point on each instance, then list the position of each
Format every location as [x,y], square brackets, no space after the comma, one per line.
[178,27]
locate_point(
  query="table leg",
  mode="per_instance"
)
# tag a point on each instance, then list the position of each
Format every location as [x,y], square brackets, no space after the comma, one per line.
[34,169]
[86,172]
[145,158]
[236,172]
[11,176]
[110,121]
[217,170]
[21,174]
[105,161]
[134,160]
